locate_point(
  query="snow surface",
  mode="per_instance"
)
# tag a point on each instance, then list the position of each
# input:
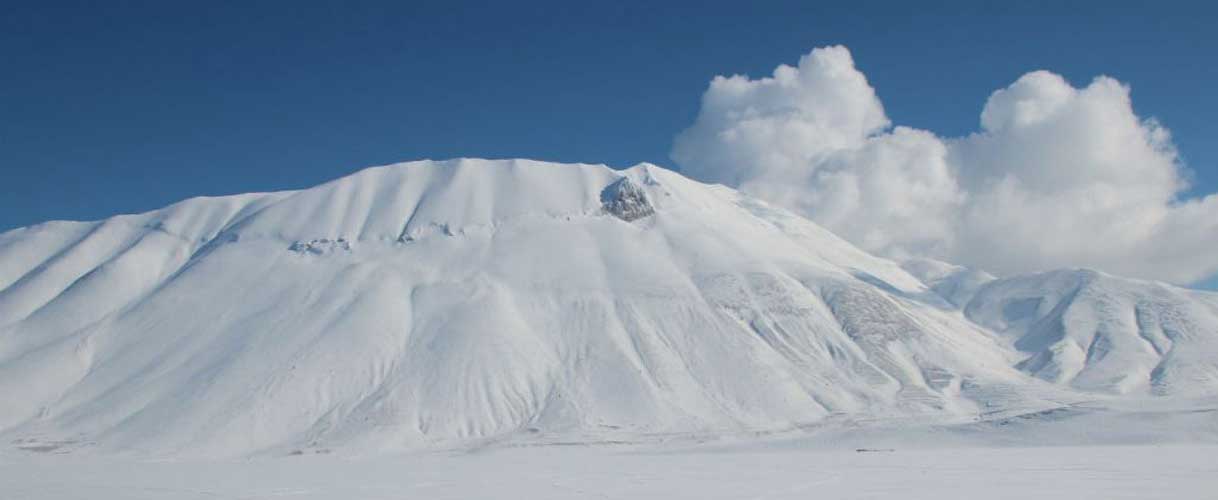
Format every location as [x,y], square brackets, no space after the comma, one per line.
[1071,473]
[474,303]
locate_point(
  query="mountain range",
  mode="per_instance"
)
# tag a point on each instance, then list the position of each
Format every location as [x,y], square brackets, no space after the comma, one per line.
[455,303]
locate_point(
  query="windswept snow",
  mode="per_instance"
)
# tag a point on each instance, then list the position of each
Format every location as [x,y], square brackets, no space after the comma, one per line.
[474,302]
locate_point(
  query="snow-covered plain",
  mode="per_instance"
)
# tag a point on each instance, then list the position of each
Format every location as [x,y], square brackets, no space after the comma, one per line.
[525,323]
[1115,472]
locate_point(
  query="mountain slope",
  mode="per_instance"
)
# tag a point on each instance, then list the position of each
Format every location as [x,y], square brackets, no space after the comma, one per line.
[439,303]
[1098,332]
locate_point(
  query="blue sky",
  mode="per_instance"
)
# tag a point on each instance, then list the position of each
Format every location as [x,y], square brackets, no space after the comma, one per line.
[113,107]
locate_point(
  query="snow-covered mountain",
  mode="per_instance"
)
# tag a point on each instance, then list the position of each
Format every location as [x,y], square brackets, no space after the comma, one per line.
[1098,332]
[442,303]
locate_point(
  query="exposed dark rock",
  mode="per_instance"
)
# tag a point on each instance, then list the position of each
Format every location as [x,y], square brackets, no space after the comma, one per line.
[626,200]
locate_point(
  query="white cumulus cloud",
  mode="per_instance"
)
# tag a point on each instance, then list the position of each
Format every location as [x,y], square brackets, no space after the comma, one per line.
[1057,176]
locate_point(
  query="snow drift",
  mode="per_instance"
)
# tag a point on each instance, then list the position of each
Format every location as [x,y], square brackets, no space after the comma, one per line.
[446,303]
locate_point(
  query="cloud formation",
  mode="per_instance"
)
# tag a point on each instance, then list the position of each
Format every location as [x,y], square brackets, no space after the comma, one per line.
[1057,176]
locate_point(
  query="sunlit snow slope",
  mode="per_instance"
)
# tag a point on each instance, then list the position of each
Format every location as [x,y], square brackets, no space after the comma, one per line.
[443,303]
